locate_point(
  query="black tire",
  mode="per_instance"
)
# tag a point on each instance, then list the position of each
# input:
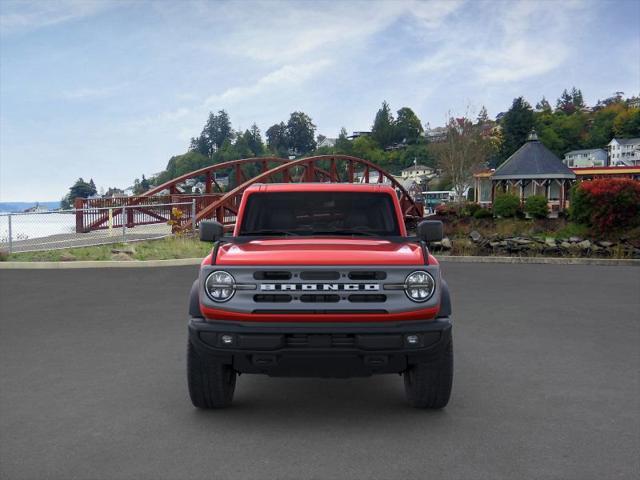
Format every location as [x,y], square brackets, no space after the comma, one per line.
[211,383]
[428,385]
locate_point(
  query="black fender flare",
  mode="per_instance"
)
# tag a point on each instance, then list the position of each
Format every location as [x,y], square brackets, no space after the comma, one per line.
[194,301]
[445,301]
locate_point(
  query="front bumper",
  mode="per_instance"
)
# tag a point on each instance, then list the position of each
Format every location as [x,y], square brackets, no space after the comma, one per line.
[320,349]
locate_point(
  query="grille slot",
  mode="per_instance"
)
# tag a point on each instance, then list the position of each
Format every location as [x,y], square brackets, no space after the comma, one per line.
[319,298]
[272,298]
[272,275]
[367,275]
[360,298]
[320,341]
[317,311]
[319,275]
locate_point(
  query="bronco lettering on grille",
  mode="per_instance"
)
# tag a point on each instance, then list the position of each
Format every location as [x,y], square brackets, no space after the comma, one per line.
[323,287]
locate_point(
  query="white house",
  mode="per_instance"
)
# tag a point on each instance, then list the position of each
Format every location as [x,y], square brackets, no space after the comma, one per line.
[594,157]
[327,142]
[624,152]
[417,172]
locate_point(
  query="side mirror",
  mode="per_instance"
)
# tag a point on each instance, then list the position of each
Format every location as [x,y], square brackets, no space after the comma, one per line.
[210,231]
[430,231]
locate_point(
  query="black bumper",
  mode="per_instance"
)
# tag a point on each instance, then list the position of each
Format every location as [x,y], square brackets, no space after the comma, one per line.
[320,349]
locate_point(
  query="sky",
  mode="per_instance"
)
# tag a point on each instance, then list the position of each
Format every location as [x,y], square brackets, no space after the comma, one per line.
[110,90]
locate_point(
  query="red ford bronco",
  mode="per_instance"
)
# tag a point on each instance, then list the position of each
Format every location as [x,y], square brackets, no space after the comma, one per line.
[320,280]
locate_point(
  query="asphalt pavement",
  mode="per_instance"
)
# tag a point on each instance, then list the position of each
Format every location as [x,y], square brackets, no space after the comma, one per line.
[546,386]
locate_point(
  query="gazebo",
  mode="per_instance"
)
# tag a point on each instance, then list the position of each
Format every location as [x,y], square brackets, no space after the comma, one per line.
[532,170]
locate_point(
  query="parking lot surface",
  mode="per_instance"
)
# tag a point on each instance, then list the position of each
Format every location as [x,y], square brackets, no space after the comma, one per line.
[547,385]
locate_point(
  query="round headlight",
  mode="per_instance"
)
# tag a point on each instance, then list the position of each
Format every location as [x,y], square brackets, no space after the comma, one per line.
[419,286]
[220,286]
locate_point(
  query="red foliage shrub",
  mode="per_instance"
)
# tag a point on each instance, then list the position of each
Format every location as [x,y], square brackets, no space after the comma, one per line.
[607,204]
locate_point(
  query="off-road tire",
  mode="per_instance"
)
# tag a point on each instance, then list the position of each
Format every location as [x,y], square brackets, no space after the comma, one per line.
[211,383]
[428,385]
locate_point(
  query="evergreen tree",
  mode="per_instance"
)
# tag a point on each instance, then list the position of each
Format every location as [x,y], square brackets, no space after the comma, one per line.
[517,123]
[253,139]
[382,130]
[483,116]
[543,106]
[343,144]
[576,99]
[216,131]
[565,103]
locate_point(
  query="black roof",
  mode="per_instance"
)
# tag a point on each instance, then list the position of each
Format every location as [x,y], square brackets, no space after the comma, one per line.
[533,160]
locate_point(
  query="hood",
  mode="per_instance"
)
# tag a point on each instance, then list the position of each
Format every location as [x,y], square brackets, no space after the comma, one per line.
[320,251]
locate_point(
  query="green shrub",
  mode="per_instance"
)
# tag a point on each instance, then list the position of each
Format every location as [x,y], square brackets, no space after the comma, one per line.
[483,213]
[469,209]
[506,205]
[536,206]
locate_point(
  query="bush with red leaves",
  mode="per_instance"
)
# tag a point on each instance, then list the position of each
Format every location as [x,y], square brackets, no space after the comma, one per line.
[607,204]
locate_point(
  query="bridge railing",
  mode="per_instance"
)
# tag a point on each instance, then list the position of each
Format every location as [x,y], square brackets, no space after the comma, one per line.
[102,213]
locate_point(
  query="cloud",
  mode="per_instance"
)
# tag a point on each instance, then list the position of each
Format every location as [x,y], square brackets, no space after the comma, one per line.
[526,40]
[23,15]
[285,77]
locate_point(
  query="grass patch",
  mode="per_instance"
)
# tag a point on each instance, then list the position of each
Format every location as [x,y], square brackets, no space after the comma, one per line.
[162,249]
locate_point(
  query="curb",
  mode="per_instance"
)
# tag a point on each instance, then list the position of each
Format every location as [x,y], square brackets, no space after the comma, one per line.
[180,262]
[612,262]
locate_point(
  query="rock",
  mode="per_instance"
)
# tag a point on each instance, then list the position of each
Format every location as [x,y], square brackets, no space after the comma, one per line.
[475,236]
[126,251]
[522,241]
[121,257]
[605,244]
[446,244]
[575,239]
[566,245]
[585,244]
[550,241]
[494,244]
[67,257]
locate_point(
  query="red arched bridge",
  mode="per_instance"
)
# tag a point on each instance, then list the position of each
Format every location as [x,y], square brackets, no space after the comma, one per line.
[221,204]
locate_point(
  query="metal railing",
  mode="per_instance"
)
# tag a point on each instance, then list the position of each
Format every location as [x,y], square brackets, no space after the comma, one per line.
[58,229]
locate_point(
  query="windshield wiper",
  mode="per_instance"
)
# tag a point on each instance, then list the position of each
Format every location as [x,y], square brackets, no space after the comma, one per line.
[268,232]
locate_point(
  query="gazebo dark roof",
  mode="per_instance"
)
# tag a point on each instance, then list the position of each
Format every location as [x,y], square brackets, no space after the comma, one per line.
[533,160]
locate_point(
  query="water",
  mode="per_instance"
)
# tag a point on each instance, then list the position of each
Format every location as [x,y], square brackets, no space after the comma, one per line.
[29,226]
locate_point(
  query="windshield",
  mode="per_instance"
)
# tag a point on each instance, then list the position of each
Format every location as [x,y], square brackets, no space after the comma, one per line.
[319,213]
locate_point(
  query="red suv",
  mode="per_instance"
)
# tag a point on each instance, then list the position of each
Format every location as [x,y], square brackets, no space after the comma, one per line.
[320,280]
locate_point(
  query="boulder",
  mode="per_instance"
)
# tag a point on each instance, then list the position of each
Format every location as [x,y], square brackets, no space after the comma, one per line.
[550,241]
[575,239]
[475,236]
[605,244]
[446,244]
[585,245]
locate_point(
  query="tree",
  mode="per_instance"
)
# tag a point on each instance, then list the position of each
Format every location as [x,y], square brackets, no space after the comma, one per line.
[80,189]
[343,144]
[576,99]
[253,139]
[301,133]
[463,151]
[277,139]
[216,131]
[483,116]
[627,124]
[382,130]
[517,123]
[408,126]
[565,103]
[543,106]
